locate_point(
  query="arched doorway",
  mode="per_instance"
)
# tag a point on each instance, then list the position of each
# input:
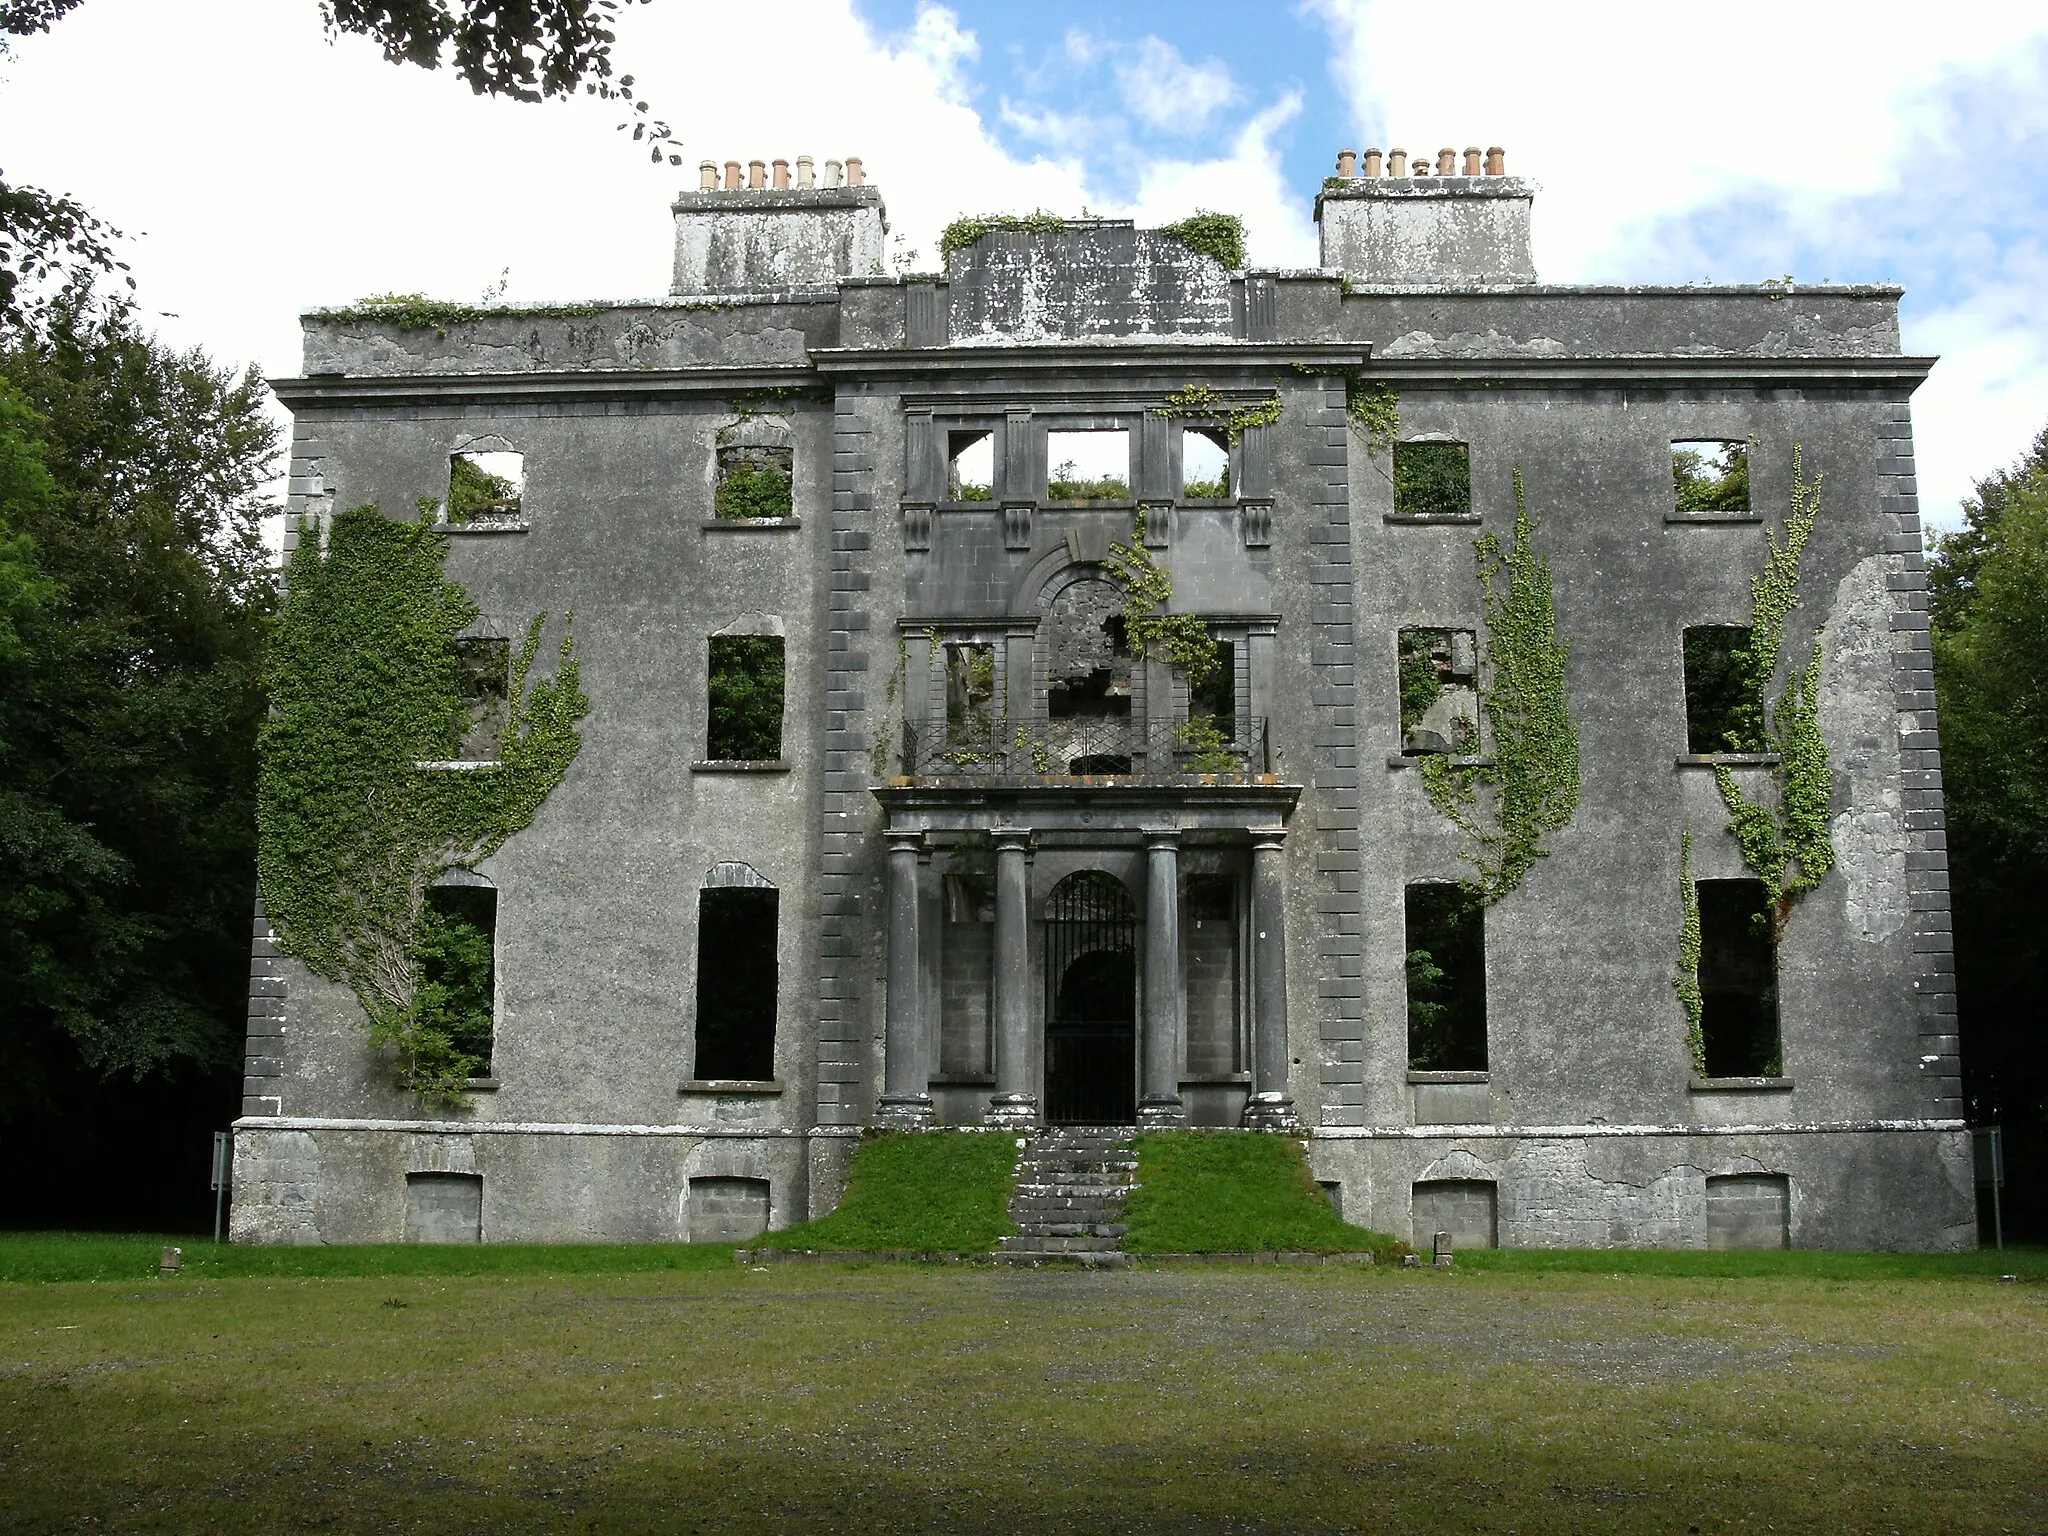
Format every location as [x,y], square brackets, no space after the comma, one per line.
[1091,1036]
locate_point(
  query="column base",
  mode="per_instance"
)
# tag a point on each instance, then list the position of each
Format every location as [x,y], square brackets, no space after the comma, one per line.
[1270,1112]
[1161,1112]
[1012,1111]
[905,1111]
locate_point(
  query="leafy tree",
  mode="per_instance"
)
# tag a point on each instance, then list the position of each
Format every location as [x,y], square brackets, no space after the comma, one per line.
[1990,614]
[1716,483]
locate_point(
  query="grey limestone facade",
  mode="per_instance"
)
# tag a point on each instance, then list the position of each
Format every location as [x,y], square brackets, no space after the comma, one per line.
[1012,885]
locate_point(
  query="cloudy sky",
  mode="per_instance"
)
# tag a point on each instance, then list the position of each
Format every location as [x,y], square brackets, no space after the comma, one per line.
[260,169]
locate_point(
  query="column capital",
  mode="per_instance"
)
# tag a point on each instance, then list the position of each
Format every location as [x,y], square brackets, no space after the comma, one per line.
[1012,837]
[902,840]
[1269,837]
[1164,838]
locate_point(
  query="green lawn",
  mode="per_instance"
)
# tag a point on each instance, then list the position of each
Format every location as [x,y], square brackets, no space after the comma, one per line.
[1211,1192]
[906,1398]
[934,1191]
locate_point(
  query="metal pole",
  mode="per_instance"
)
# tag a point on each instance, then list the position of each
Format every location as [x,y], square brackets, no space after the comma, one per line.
[223,1151]
[1997,1182]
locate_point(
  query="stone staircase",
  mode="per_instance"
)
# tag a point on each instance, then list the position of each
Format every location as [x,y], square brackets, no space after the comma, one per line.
[1072,1181]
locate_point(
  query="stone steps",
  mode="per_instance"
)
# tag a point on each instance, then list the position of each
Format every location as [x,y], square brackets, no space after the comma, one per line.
[1068,1201]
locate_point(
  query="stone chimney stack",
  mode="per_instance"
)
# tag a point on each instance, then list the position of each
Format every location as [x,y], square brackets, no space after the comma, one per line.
[1428,227]
[758,237]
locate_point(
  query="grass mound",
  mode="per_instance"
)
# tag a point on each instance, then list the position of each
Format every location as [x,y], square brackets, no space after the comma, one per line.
[33,1257]
[931,1191]
[1236,1192]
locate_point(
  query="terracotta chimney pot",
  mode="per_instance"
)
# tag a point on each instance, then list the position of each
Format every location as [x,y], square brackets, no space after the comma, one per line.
[1372,163]
[1397,162]
[707,176]
[1447,162]
[1472,162]
[1347,164]
[779,175]
[855,175]
[757,175]
[732,175]
[1496,161]
[805,179]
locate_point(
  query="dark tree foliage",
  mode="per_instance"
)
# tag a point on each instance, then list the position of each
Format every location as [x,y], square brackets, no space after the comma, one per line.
[1719,483]
[1446,978]
[1724,697]
[1990,613]
[455,948]
[133,600]
[745,722]
[1432,480]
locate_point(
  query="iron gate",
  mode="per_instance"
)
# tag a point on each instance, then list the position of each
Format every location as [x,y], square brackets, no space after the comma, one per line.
[1091,1058]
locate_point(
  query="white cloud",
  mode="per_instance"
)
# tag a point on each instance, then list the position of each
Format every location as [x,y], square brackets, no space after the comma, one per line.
[1166,91]
[1279,227]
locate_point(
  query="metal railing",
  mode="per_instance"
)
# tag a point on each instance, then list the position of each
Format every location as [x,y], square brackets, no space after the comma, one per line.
[1086,747]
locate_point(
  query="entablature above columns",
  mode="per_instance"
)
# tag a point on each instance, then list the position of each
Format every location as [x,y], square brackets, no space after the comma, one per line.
[1096,815]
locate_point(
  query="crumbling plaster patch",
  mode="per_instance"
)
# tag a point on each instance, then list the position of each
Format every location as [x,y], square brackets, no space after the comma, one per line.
[1860,725]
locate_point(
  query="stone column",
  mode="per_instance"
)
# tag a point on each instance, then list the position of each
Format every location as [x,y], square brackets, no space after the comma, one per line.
[1016,1096]
[905,1099]
[1160,1104]
[1270,1107]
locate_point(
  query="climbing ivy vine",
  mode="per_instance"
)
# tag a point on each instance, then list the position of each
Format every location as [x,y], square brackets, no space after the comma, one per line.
[364,686]
[1216,235]
[1508,804]
[1789,845]
[1375,409]
[1181,638]
[1198,402]
[963,232]
[1686,980]
[417,312]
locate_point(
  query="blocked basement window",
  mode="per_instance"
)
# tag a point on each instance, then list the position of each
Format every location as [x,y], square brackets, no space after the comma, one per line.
[1439,671]
[455,949]
[970,696]
[1738,980]
[744,720]
[486,487]
[482,668]
[1710,477]
[444,1208]
[1749,1210]
[1432,480]
[736,983]
[1204,465]
[1446,977]
[1088,466]
[970,466]
[1724,703]
[1468,1209]
[725,1210]
[755,481]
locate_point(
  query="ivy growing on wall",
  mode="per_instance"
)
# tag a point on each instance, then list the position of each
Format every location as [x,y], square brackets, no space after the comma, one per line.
[963,232]
[364,686]
[1375,410]
[1529,788]
[1198,402]
[1181,638]
[417,312]
[1686,981]
[1217,235]
[1789,845]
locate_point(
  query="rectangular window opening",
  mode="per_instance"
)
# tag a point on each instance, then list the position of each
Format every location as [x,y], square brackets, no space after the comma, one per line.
[736,984]
[1088,466]
[1710,475]
[1215,699]
[1204,465]
[755,481]
[482,677]
[455,951]
[1724,698]
[970,466]
[1209,964]
[1739,979]
[1446,978]
[970,696]
[1432,480]
[1439,672]
[485,487]
[745,715]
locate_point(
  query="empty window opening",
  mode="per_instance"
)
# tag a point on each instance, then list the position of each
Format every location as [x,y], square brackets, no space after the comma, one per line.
[970,466]
[1738,979]
[1446,978]
[1711,475]
[754,481]
[736,982]
[745,716]
[1468,1209]
[966,974]
[971,696]
[1432,480]
[485,487]
[1209,963]
[444,1208]
[1439,691]
[1204,465]
[1749,1210]
[1088,466]
[455,952]
[1088,665]
[1215,699]
[726,1210]
[482,678]
[1724,698]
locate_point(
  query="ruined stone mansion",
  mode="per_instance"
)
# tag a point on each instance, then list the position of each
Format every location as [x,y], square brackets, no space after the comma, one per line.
[897,805]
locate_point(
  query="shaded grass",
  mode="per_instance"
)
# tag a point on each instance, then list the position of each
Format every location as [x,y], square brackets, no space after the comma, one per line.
[930,1191]
[1236,1192]
[1981,1264]
[98,1256]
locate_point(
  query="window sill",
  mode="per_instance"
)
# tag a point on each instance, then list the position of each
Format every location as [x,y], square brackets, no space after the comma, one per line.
[1713,517]
[457,765]
[1129,505]
[760,1088]
[485,526]
[1410,759]
[481,1085]
[1197,503]
[987,504]
[1698,1084]
[748,524]
[1728,759]
[1431,519]
[741,765]
[1449,1077]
